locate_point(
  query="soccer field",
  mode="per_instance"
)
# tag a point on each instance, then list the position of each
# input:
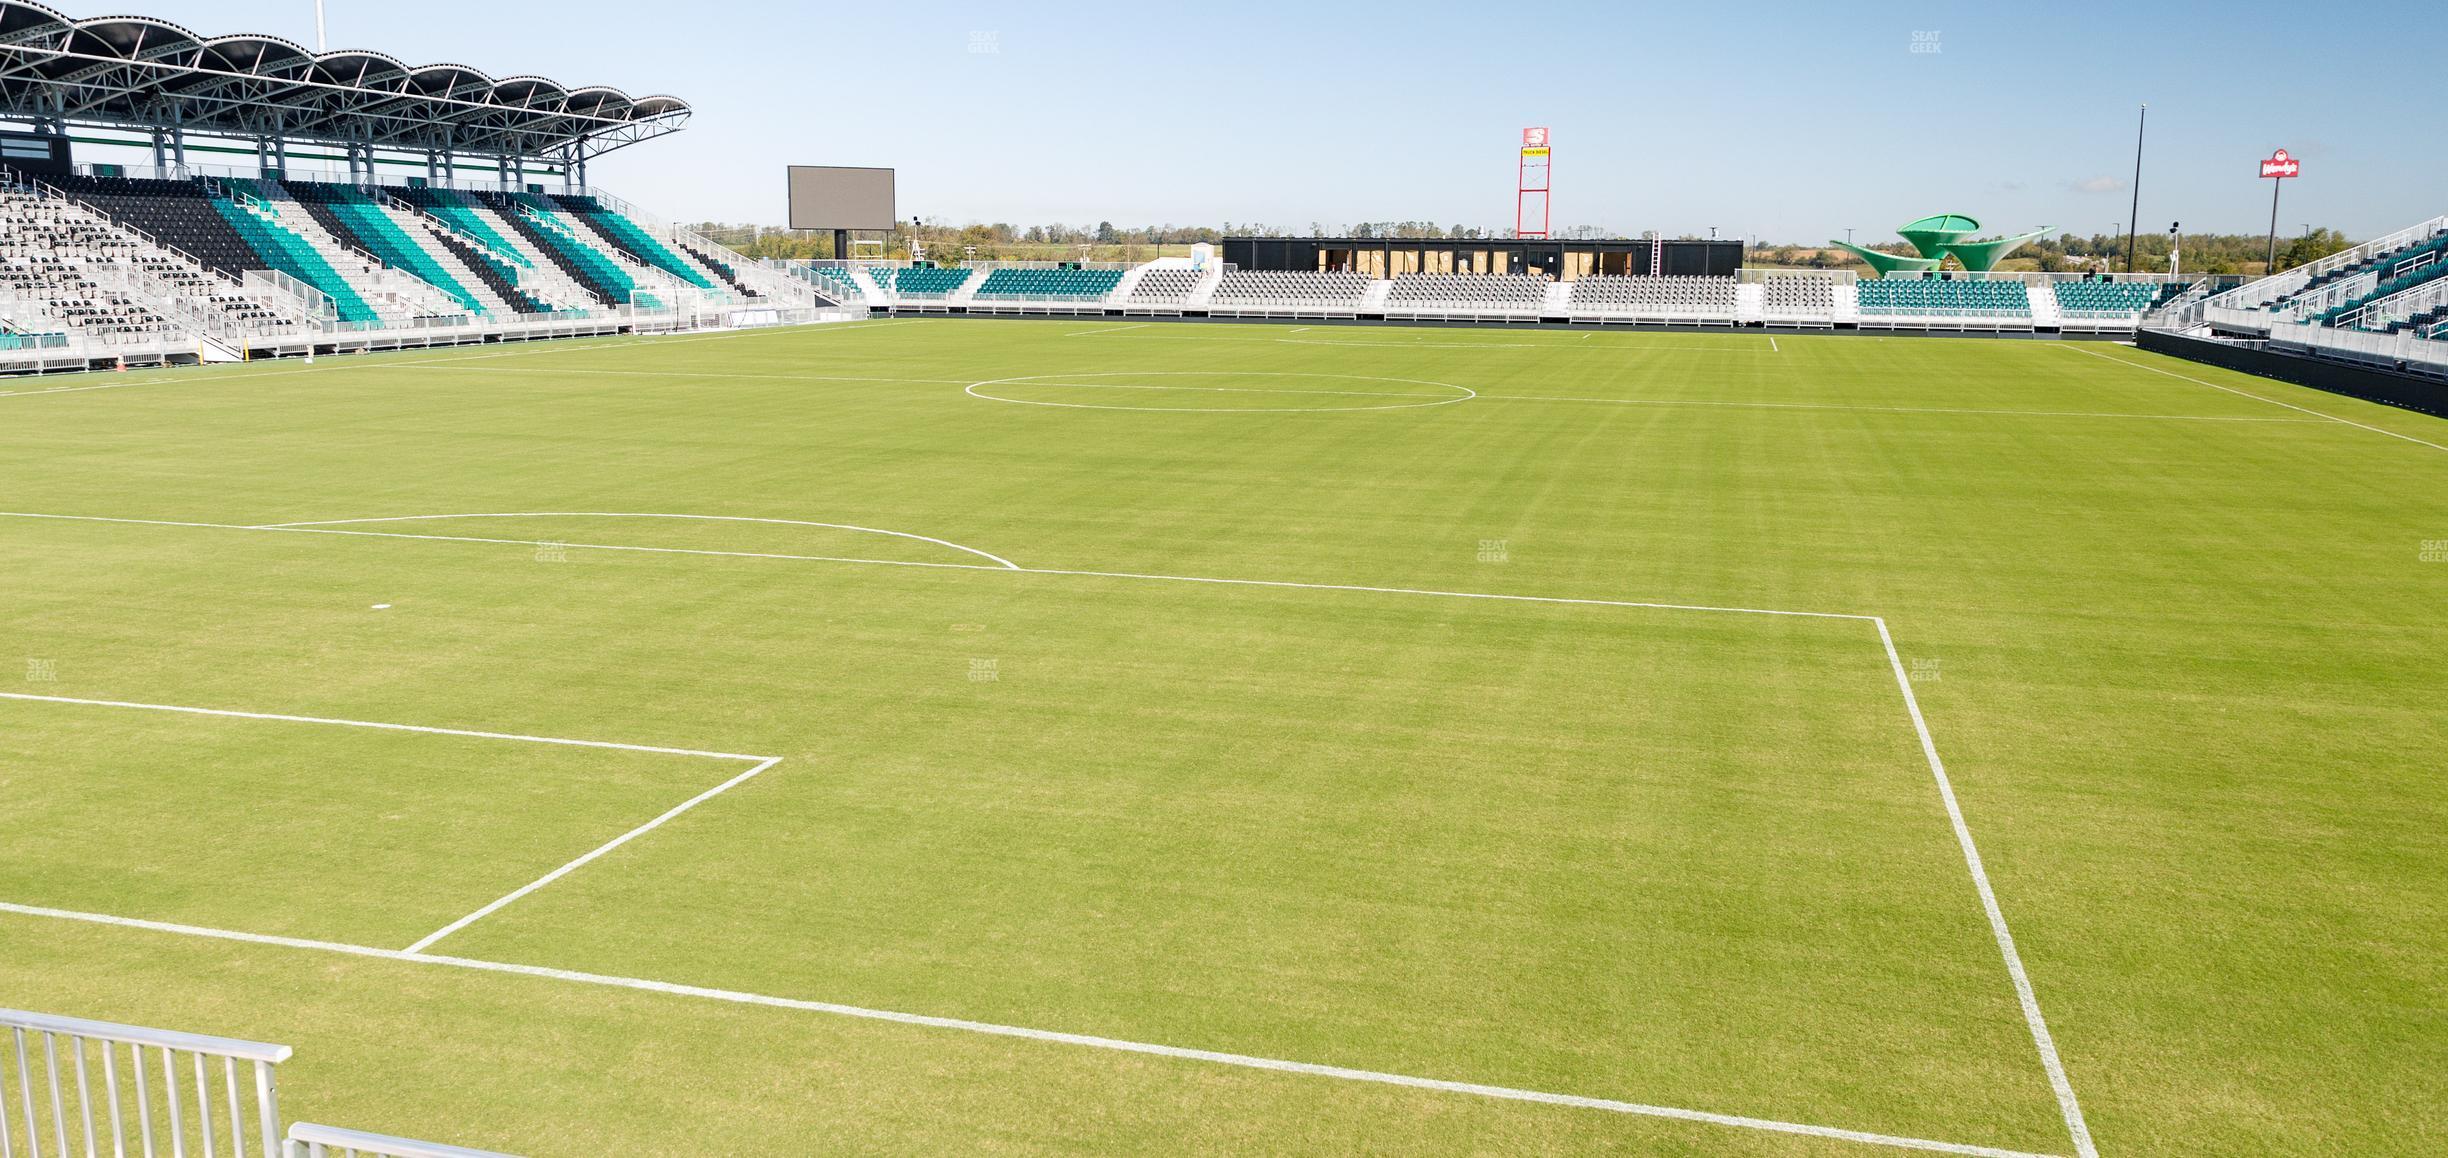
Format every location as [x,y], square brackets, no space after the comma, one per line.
[951,736]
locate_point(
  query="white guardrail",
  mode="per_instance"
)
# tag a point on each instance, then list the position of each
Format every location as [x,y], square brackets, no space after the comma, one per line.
[69,1086]
[82,1086]
[307,1140]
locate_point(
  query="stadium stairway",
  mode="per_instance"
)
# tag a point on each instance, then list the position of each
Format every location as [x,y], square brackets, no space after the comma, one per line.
[279,247]
[615,269]
[396,294]
[623,236]
[2044,310]
[463,218]
[599,282]
[353,216]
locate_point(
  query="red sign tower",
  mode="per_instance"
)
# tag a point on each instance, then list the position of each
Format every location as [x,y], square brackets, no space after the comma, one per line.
[2277,167]
[1530,196]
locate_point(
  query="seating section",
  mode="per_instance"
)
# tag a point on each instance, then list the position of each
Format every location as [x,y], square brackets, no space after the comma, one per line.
[919,280]
[1260,289]
[1806,297]
[2104,298]
[1469,292]
[1655,296]
[601,277]
[175,213]
[1944,298]
[2417,266]
[283,249]
[1049,284]
[351,214]
[629,238]
[1168,285]
[837,278]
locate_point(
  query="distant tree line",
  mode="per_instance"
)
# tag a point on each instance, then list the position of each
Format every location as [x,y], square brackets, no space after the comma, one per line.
[1104,241]
[2245,253]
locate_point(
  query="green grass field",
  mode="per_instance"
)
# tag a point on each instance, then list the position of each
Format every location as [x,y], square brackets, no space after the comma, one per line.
[1102,686]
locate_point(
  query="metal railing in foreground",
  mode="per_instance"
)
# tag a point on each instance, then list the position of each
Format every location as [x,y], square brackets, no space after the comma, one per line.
[308,1140]
[71,1086]
[81,1086]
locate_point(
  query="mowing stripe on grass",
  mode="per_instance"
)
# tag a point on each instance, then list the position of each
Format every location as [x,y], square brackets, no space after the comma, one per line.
[1244,1061]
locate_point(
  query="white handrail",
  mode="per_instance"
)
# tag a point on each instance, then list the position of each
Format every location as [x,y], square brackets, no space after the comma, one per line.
[72,1049]
[308,1140]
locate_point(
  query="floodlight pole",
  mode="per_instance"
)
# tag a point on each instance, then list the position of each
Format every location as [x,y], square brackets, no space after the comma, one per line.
[319,45]
[2133,220]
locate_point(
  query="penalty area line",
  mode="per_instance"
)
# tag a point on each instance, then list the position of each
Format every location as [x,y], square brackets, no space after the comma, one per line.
[1056,1037]
[2042,1040]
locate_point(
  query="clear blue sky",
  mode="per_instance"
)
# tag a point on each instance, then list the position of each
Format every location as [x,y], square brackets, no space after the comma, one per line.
[1789,120]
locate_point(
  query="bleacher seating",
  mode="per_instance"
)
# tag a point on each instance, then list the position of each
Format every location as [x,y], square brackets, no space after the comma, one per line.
[67,263]
[1168,285]
[352,215]
[1048,284]
[1277,289]
[919,280]
[2104,298]
[1655,296]
[2413,267]
[632,239]
[1943,297]
[1467,292]
[516,216]
[1799,297]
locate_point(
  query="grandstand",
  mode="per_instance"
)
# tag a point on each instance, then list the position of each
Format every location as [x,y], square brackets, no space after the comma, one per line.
[2382,304]
[111,264]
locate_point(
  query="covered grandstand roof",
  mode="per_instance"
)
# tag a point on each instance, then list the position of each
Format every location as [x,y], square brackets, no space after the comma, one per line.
[140,73]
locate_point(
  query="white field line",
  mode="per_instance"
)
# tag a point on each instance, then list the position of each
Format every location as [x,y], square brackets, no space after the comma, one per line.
[2025,995]
[678,373]
[1638,345]
[1238,389]
[1772,346]
[1105,330]
[1243,1061]
[1887,409]
[2254,397]
[156,379]
[758,764]
[427,941]
[1144,576]
[1462,393]
[470,733]
[998,559]
[538,346]
[2041,1039]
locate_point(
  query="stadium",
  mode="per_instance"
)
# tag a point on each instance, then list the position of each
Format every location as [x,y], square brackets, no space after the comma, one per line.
[490,667]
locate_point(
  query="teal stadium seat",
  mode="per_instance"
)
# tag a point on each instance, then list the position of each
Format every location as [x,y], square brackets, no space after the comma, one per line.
[1941,298]
[2103,297]
[1050,284]
[920,281]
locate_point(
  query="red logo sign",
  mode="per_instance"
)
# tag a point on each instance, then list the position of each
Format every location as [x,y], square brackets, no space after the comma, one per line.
[1534,138]
[2281,165]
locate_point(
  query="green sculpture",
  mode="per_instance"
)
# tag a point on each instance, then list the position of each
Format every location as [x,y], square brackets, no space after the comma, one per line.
[1939,237]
